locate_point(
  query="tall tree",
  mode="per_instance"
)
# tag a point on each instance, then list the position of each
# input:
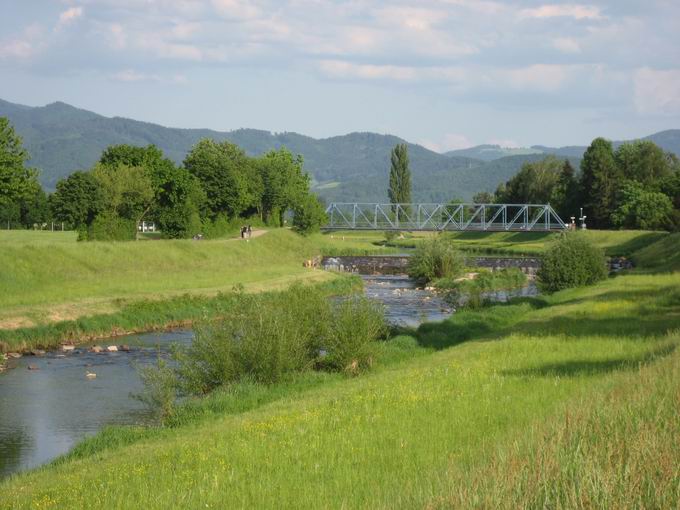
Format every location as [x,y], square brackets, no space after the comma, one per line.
[642,208]
[127,192]
[483,197]
[285,184]
[221,167]
[18,183]
[77,200]
[645,162]
[600,181]
[399,190]
[533,184]
[565,195]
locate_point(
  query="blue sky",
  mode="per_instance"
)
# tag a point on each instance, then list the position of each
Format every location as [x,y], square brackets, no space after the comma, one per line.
[444,73]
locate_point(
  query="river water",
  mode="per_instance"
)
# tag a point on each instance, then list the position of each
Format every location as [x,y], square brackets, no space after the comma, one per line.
[46,411]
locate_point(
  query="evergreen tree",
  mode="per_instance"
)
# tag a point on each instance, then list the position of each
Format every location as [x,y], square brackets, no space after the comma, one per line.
[600,181]
[566,194]
[399,191]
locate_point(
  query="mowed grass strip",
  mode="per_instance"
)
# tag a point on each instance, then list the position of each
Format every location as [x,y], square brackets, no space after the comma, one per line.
[393,438]
[54,273]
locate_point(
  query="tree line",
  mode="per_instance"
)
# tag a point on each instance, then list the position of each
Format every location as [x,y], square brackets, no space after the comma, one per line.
[636,186]
[217,185]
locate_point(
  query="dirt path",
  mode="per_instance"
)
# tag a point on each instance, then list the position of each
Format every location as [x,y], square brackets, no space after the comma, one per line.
[254,233]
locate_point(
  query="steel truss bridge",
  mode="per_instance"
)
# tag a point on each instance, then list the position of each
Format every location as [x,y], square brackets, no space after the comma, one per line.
[440,217]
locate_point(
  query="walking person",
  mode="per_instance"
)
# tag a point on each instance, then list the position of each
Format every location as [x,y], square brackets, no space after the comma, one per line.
[250,231]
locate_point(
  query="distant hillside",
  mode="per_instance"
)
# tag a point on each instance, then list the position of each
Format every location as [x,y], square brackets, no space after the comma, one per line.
[668,140]
[62,139]
[353,167]
[492,152]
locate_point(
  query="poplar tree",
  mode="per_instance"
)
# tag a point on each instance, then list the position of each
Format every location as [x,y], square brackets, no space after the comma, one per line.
[600,181]
[399,191]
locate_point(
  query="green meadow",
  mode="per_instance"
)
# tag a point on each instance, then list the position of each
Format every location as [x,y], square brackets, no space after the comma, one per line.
[561,401]
[613,242]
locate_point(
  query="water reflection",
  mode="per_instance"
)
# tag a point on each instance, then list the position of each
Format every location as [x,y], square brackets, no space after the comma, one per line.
[44,412]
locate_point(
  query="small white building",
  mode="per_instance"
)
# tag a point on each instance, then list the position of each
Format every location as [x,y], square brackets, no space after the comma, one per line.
[146,226]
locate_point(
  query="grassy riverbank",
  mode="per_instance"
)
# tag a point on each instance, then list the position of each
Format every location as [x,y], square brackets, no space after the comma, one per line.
[562,401]
[54,289]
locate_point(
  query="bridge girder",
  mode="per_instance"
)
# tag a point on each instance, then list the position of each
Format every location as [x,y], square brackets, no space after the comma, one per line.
[444,217]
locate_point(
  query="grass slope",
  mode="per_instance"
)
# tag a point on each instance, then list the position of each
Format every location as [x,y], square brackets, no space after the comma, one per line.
[566,401]
[53,289]
[47,281]
[613,242]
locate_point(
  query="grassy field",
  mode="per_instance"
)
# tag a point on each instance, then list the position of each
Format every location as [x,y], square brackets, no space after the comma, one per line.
[47,279]
[613,242]
[564,401]
[54,289]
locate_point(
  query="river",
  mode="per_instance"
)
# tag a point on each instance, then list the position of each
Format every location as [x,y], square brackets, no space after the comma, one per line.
[45,411]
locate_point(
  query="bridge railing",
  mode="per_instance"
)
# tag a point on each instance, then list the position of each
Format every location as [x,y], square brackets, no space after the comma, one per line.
[439,217]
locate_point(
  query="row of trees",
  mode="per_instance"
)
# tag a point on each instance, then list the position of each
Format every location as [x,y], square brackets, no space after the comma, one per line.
[216,184]
[636,186]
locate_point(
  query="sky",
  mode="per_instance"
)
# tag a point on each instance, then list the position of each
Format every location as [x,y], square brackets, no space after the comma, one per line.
[447,74]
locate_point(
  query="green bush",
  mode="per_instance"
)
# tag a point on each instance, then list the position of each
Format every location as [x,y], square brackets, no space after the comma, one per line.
[309,215]
[160,389]
[264,338]
[433,259]
[571,261]
[350,343]
[108,226]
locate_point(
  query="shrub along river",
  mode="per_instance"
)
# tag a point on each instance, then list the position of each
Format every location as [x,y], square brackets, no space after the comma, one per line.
[49,403]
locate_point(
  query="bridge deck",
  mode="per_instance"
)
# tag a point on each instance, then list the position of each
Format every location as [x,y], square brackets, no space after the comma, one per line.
[441,217]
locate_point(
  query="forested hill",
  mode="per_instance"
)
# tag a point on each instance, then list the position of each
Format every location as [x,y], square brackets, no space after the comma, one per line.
[62,139]
[353,167]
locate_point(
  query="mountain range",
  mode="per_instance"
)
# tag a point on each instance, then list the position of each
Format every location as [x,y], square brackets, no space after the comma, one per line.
[354,167]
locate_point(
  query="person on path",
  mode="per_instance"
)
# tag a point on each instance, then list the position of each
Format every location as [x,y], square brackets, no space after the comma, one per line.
[250,231]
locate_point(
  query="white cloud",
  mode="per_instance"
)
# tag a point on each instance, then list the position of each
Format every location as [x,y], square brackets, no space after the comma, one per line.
[16,49]
[657,92]
[70,15]
[563,10]
[449,142]
[567,45]
[132,76]
[540,77]
[348,70]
